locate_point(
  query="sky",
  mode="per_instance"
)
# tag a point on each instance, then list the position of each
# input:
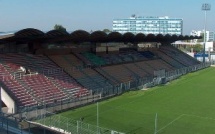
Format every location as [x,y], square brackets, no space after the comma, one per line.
[98,14]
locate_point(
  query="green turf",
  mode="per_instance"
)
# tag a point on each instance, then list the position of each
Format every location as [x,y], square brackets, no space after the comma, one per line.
[184,106]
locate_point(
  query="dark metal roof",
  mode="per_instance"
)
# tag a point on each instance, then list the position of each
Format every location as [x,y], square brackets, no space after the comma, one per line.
[114,37]
[56,33]
[167,38]
[150,38]
[174,37]
[180,37]
[28,32]
[140,37]
[98,36]
[31,34]
[128,37]
[80,36]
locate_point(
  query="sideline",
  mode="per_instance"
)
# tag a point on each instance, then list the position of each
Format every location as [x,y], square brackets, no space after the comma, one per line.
[171,122]
[207,118]
[180,116]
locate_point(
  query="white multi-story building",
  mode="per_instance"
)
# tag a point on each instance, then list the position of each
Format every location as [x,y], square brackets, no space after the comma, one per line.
[149,25]
[209,35]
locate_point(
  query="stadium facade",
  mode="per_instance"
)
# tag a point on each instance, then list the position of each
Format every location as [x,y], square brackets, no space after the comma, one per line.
[149,25]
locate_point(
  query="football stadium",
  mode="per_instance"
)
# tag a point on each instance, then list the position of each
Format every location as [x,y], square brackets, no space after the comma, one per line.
[99,83]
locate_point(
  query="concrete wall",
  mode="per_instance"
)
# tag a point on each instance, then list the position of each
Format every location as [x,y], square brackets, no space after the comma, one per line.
[53,51]
[209,46]
[8,101]
[191,54]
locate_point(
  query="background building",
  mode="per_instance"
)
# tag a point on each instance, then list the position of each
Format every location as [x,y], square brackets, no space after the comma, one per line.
[210,35]
[147,25]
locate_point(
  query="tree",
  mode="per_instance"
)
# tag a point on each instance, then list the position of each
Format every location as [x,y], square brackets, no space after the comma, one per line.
[106,30]
[196,48]
[59,27]
[202,39]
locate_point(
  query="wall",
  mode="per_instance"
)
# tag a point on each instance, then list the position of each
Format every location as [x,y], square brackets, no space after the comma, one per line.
[191,54]
[53,51]
[100,49]
[9,102]
[81,50]
[209,46]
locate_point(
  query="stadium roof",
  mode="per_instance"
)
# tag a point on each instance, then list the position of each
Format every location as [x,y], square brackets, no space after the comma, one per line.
[56,33]
[80,36]
[31,34]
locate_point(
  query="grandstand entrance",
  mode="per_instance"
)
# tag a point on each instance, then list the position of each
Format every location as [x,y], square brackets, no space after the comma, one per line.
[4,108]
[2,104]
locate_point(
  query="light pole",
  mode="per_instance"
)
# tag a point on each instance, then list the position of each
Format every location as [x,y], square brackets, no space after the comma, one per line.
[205,7]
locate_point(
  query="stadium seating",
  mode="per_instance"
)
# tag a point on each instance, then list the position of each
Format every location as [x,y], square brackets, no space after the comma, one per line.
[62,80]
[42,88]
[118,72]
[96,60]
[137,70]
[38,79]
[145,67]
[83,59]
[87,77]
[45,83]
[117,58]
[179,55]
[168,59]
[22,97]
[123,57]
[159,64]
[147,54]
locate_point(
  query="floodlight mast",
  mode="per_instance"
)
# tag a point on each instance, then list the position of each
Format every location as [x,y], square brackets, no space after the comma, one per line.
[205,7]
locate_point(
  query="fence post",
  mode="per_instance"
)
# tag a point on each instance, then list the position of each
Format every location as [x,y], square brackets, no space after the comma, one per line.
[77,127]
[67,125]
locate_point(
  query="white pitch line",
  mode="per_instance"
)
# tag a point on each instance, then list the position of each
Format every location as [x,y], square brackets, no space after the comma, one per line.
[171,122]
[207,118]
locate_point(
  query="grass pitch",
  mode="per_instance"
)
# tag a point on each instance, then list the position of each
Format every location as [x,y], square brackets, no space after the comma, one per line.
[184,106]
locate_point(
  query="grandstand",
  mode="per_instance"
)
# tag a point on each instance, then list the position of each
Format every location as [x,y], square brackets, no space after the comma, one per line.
[56,68]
